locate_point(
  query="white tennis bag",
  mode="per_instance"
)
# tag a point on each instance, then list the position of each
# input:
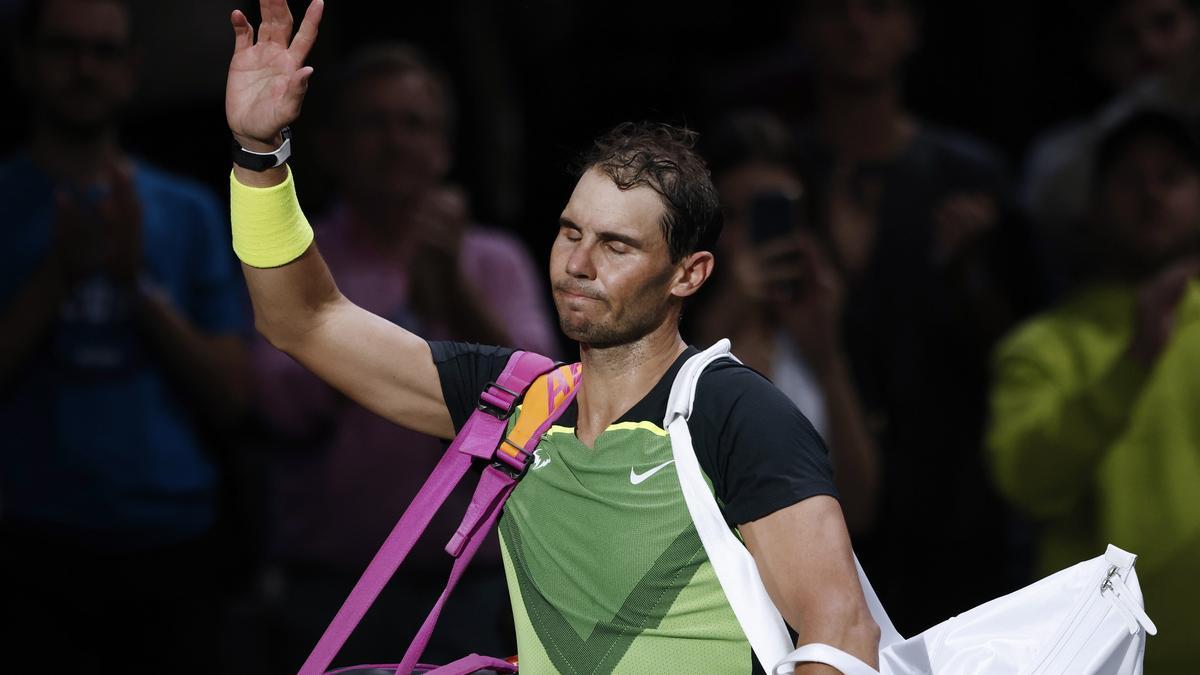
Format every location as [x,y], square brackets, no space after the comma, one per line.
[1084,620]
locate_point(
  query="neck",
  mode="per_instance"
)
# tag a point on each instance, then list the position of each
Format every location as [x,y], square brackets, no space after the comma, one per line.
[863,123]
[616,378]
[75,160]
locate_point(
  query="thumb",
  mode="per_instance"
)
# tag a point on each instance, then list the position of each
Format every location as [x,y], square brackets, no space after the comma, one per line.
[297,86]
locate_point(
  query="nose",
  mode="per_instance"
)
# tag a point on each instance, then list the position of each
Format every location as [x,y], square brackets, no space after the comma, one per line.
[579,262]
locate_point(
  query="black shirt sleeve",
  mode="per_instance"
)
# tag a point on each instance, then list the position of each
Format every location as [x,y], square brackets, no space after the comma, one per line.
[464,369]
[758,449]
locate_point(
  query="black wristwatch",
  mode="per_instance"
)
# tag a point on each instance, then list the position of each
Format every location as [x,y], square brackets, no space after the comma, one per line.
[261,161]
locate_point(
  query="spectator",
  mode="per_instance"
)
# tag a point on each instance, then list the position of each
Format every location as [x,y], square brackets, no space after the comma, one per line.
[1094,429]
[780,300]
[120,354]
[402,245]
[935,269]
[1143,52]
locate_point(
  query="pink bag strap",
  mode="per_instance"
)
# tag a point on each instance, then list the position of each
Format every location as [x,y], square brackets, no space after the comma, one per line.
[477,440]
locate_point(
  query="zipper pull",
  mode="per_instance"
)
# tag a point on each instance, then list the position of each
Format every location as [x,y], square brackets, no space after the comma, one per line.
[1135,616]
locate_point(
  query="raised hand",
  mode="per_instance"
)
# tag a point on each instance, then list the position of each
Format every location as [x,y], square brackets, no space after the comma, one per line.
[267,78]
[811,311]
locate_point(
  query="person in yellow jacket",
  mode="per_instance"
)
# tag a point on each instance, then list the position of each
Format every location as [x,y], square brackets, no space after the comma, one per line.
[1095,405]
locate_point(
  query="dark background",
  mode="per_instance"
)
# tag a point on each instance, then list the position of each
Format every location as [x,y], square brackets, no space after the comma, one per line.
[564,71]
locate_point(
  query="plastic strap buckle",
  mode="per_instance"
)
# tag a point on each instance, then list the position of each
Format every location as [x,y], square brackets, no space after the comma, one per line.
[497,405]
[513,467]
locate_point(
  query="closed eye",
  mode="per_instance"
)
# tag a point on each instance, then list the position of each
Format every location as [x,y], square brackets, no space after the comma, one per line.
[570,230]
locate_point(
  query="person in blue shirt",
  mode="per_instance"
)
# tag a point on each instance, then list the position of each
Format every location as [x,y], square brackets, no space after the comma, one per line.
[121,354]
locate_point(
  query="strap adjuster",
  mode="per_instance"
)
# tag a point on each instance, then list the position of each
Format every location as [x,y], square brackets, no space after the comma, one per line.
[496,405]
[512,467]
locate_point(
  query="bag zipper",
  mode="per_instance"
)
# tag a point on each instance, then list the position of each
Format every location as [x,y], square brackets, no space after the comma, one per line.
[1135,616]
[1112,586]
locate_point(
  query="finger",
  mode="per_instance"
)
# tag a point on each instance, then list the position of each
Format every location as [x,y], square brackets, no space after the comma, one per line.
[266,23]
[297,86]
[306,37]
[243,32]
[276,22]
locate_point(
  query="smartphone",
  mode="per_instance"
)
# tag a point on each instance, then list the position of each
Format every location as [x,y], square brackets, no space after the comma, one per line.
[773,214]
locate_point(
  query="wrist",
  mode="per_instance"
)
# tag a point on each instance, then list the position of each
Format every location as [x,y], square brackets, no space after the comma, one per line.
[258,145]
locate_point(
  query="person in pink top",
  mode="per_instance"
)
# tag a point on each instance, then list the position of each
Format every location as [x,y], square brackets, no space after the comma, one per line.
[402,244]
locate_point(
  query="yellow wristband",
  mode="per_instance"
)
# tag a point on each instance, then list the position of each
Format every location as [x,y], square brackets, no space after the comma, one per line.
[269,229]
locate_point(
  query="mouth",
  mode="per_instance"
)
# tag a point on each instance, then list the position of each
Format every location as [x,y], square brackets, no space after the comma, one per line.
[575,295]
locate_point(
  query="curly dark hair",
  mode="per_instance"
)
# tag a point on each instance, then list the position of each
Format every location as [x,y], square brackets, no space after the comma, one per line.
[663,158]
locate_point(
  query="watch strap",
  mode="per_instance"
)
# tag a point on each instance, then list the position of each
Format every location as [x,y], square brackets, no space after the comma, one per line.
[261,161]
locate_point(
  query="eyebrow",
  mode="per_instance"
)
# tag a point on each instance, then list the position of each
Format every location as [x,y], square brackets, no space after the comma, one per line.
[604,235]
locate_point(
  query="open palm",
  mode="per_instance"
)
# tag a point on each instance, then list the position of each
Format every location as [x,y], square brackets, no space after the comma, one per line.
[267,77]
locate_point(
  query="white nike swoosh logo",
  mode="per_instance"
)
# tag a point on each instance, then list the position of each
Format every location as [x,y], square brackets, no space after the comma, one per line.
[636,478]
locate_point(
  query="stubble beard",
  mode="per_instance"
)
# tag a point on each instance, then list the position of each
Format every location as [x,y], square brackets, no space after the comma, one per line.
[604,333]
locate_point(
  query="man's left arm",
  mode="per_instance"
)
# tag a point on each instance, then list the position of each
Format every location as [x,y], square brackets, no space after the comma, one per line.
[804,555]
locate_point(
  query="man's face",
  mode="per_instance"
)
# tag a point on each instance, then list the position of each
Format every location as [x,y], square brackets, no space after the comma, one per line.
[860,43]
[79,69]
[1144,37]
[395,135]
[1151,201]
[610,267]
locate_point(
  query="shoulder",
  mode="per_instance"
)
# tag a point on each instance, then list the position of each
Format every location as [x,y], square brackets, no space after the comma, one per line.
[1091,316]
[760,451]
[737,404]
[464,369]
[445,351]
[727,385]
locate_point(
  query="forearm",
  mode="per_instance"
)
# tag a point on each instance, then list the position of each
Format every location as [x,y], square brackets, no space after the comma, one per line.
[289,284]
[853,451]
[299,310]
[209,371]
[807,565]
[29,315]
[837,621]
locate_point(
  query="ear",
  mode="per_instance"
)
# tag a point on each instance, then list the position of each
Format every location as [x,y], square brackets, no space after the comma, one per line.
[691,272]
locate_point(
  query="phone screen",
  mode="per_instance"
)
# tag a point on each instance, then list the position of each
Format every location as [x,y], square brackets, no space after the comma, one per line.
[773,214]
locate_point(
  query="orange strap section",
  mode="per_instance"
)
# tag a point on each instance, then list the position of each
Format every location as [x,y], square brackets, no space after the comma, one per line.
[544,400]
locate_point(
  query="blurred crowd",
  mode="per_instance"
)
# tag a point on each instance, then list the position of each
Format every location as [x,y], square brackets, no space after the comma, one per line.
[1004,363]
